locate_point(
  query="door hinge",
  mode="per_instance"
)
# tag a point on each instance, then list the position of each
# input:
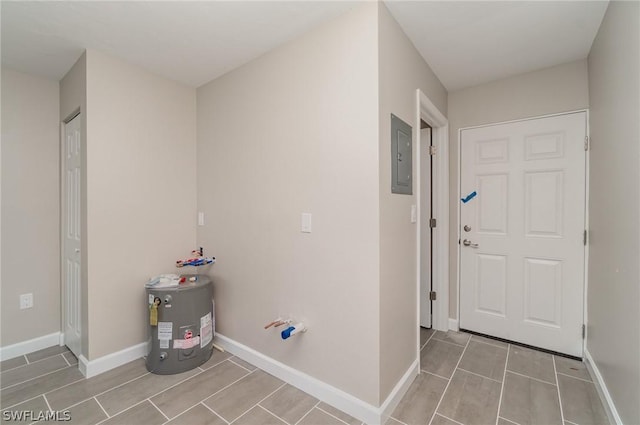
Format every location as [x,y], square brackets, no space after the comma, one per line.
[432,150]
[432,222]
[432,296]
[584,238]
[584,331]
[586,143]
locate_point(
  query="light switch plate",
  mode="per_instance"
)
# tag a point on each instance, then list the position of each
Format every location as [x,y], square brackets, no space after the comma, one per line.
[200,219]
[306,223]
[414,214]
[26,301]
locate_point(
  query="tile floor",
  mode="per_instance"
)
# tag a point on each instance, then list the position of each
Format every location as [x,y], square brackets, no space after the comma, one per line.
[471,380]
[465,380]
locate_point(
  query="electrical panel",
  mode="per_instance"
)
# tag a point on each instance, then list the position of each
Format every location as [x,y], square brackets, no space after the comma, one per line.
[401,157]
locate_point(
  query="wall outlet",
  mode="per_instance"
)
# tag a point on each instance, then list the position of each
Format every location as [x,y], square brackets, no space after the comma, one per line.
[26,301]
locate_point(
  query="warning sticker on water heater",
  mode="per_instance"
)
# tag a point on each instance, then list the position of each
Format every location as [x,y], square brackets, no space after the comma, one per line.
[206,330]
[165,330]
[186,343]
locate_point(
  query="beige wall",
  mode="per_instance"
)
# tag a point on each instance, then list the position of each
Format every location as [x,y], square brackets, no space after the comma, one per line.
[291,132]
[402,71]
[560,88]
[73,98]
[140,193]
[614,271]
[30,218]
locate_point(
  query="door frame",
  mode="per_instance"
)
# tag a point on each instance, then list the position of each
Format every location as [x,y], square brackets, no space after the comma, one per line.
[426,237]
[62,213]
[427,111]
[586,212]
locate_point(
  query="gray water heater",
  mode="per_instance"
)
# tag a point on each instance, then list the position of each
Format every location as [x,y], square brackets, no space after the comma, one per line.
[181,334]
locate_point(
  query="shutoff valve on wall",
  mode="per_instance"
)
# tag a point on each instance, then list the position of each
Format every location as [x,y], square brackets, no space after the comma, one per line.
[290,330]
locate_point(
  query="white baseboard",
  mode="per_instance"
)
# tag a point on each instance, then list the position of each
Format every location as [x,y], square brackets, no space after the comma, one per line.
[90,368]
[29,346]
[83,363]
[61,340]
[329,394]
[453,325]
[398,392]
[603,392]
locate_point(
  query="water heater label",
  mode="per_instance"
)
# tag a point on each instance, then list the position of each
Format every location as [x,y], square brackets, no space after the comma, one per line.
[186,343]
[165,330]
[206,330]
[164,343]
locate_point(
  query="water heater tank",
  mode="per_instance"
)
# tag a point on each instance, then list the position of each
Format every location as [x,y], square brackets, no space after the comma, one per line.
[182,326]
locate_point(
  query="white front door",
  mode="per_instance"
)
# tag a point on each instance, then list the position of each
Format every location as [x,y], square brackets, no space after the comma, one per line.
[521,235]
[425,230]
[72,260]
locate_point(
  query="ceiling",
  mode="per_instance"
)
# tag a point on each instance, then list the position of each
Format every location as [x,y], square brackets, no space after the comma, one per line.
[465,43]
[192,42]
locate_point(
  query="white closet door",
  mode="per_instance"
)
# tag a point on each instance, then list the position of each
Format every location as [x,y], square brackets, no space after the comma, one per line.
[72,259]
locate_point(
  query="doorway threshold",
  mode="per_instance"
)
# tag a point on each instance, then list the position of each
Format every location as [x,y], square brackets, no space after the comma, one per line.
[508,341]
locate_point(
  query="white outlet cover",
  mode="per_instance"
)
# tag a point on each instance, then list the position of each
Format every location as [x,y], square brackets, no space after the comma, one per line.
[305,223]
[414,214]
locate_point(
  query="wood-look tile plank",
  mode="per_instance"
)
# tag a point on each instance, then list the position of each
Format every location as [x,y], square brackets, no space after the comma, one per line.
[317,417]
[242,363]
[420,401]
[13,363]
[532,363]
[527,401]
[471,399]
[125,396]
[489,341]
[86,413]
[259,416]
[441,420]
[425,334]
[43,384]
[197,415]
[338,414]
[142,414]
[289,403]
[484,359]
[580,402]
[18,414]
[232,402]
[87,388]
[216,358]
[46,352]
[453,337]
[570,367]
[70,358]
[440,357]
[33,370]
[179,398]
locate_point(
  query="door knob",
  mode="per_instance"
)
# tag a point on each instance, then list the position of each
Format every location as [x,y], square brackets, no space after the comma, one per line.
[467,242]
[467,228]
[77,250]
